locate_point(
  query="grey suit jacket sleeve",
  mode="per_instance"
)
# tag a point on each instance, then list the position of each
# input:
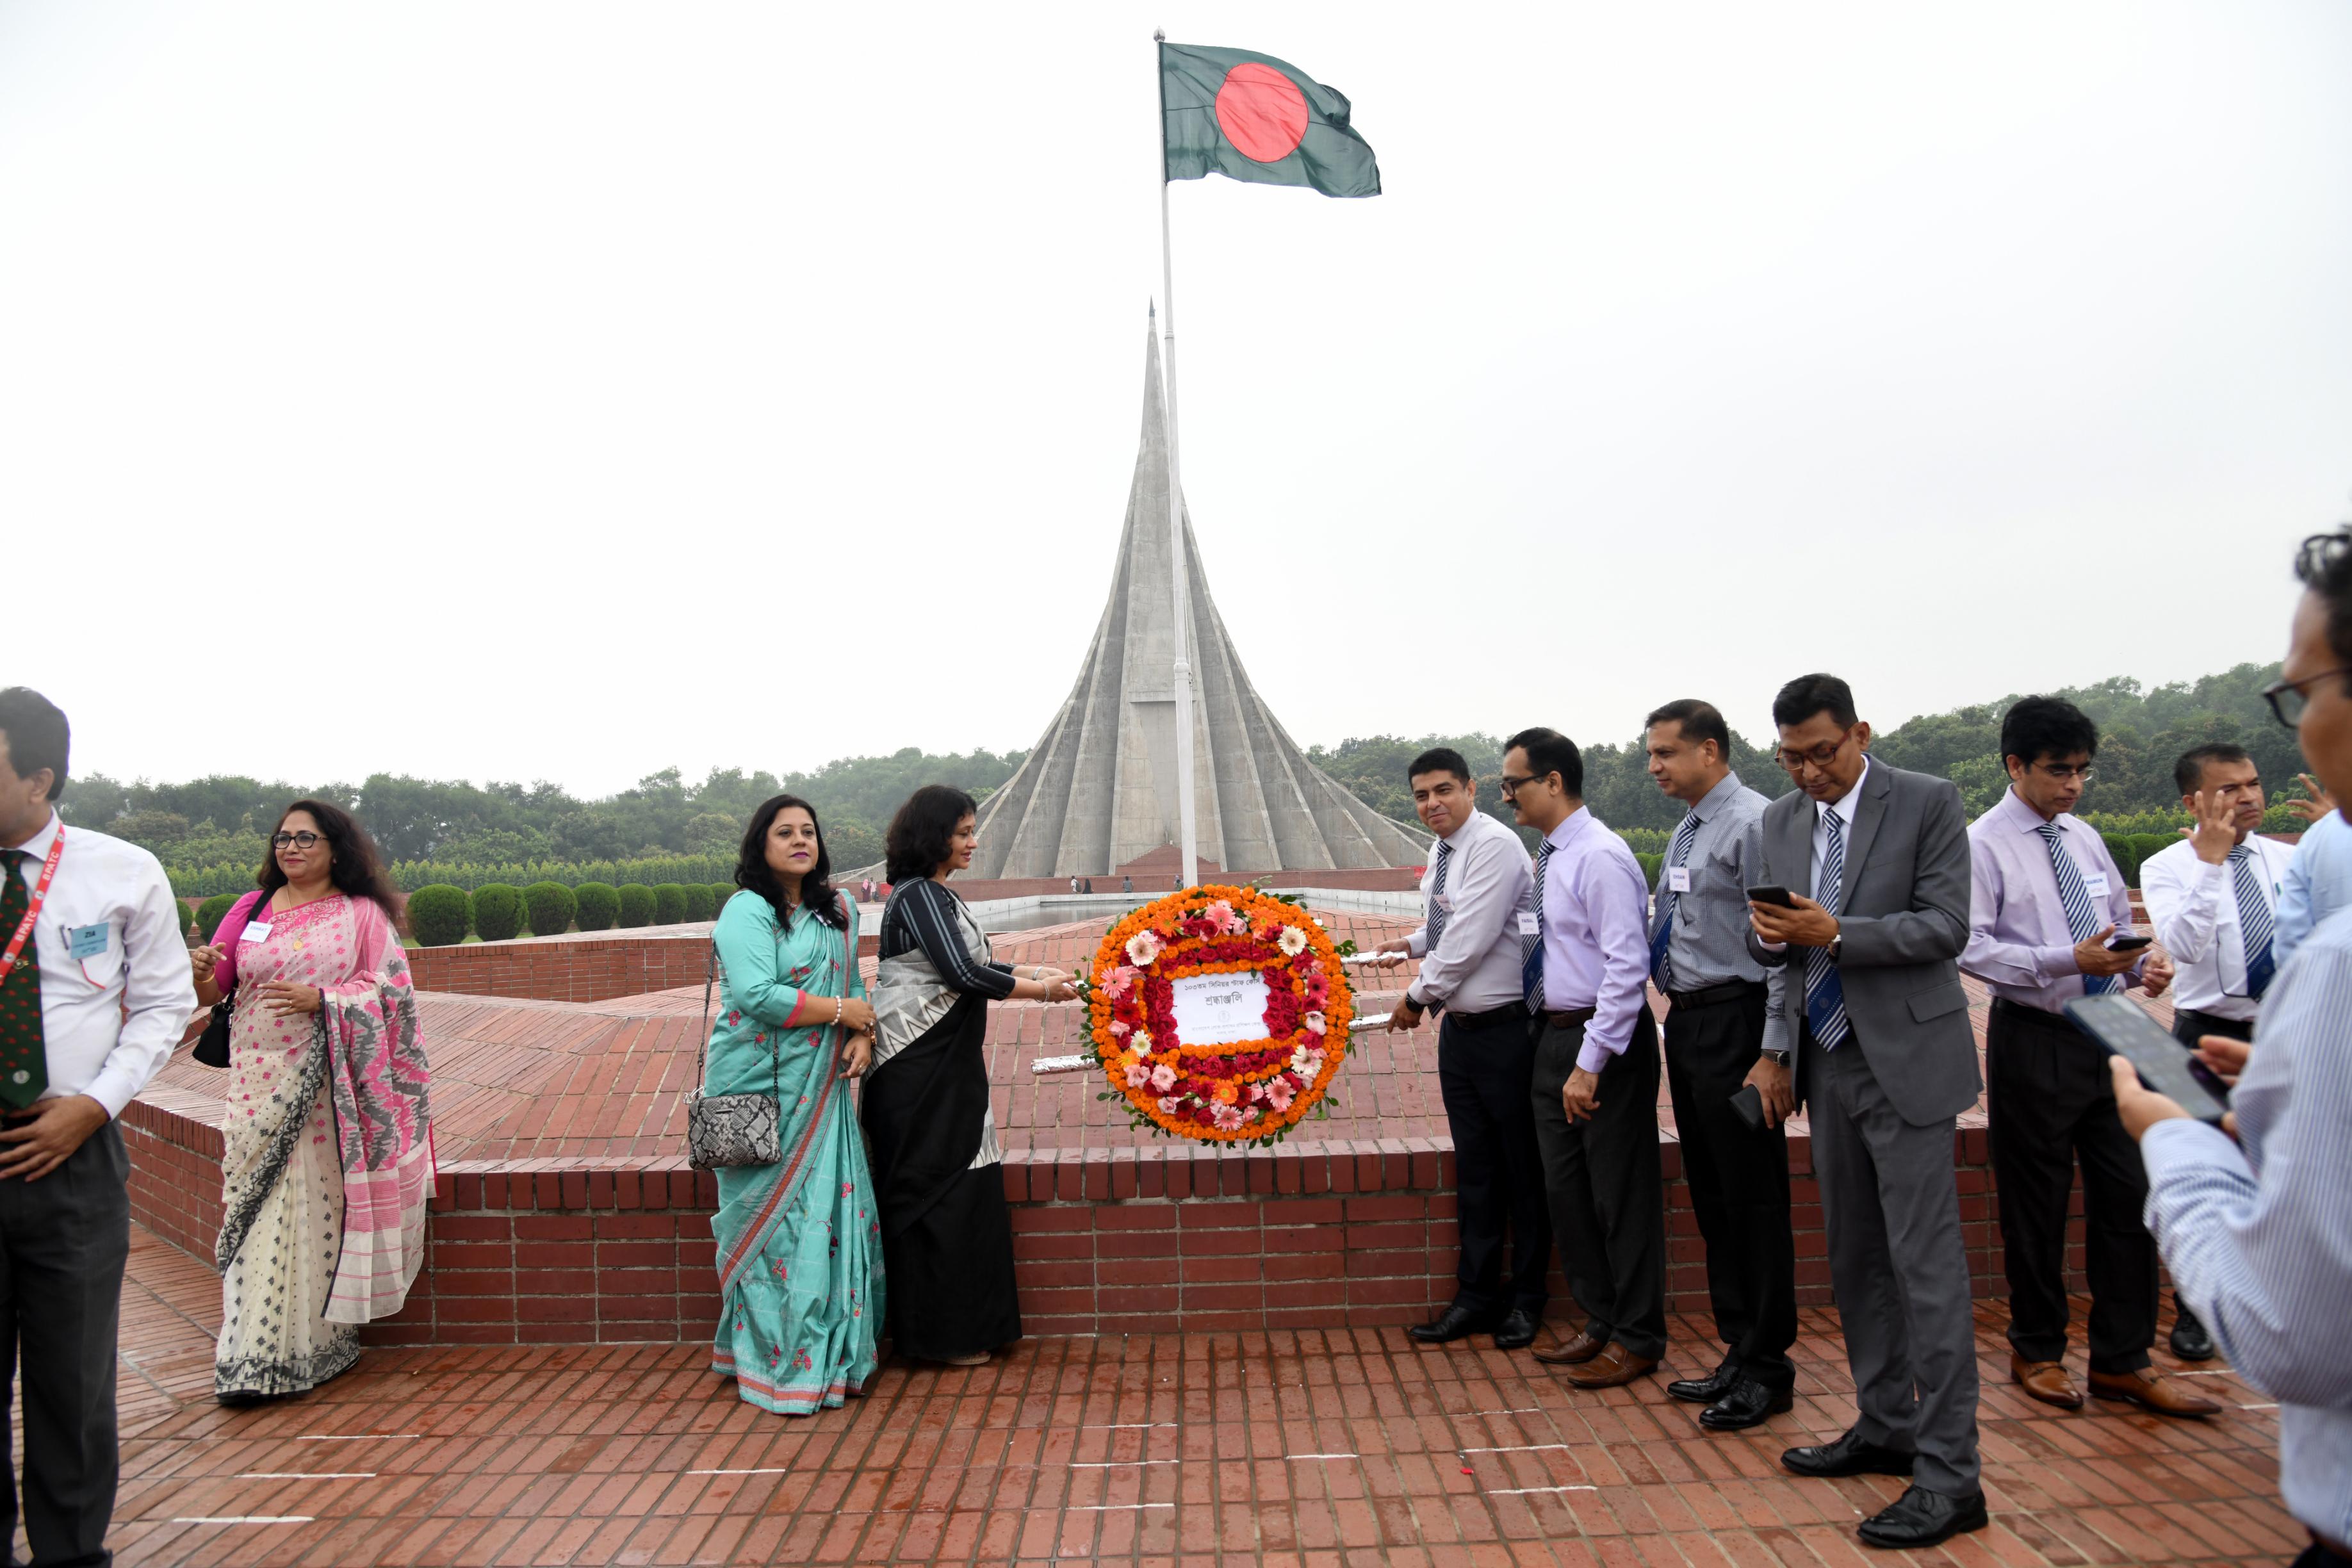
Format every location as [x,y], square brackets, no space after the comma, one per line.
[1936,926]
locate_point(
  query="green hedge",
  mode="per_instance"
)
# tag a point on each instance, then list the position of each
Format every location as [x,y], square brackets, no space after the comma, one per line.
[209,913]
[198,882]
[437,915]
[1650,864]
[595,905]
[187,916]
[719,893]
[670,904]
[497,911]
[550,906]
[697,901]
[2127,858]
[636,905]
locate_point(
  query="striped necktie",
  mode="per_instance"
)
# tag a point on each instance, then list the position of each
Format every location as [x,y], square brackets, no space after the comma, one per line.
[1531,952]
[1824,992]
[1437,896]
[24,1061]
[1677,853]
[2254,921]
[2082,918]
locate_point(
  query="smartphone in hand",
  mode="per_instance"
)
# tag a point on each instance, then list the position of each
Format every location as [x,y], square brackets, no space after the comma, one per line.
[1778,897]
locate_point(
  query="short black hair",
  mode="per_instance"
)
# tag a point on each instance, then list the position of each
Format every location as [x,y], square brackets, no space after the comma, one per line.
[1698,721]
[1549,752]
[39,735]
[1438,760]
[2324,565]
[2189,772]
[2039,727]
[919,834]
[1811,694]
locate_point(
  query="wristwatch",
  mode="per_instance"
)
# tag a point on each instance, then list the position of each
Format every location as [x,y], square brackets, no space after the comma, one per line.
[1780,1057]
[1837,946]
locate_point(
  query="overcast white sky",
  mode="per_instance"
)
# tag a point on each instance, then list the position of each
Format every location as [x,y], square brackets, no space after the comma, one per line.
[558,391]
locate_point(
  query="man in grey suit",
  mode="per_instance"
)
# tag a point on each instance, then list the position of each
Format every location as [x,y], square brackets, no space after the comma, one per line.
[1863,976]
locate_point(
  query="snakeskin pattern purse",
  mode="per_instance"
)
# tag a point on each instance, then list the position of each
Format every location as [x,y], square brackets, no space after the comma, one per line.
[727,1129]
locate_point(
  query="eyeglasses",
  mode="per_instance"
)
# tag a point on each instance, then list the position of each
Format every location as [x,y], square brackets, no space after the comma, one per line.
[301,840]
[1820,757]
[2066,775]
[1511,785]
[2288,698]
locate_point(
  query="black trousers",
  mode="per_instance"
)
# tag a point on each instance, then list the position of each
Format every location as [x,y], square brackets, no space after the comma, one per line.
[64,1241]
[1604,1185]
[2051,1102]
[1738,1180]
[1485,1064]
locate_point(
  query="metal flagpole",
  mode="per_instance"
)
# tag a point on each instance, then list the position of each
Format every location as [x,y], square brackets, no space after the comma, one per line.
[1189,869]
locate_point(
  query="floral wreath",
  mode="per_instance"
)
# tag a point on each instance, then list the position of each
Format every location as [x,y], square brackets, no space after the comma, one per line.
[1251,1091]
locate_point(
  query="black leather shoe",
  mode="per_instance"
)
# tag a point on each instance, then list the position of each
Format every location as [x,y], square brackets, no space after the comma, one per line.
[1921,1518]
[1708,1389]
[1747,1402]
[1516,1331]
[2190,1340]
[1852,1455]
[1451,1324]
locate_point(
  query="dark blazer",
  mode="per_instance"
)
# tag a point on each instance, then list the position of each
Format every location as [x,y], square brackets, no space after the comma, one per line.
[1903,918]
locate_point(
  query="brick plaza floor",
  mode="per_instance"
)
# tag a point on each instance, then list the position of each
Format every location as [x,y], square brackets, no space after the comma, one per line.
[1332,1450]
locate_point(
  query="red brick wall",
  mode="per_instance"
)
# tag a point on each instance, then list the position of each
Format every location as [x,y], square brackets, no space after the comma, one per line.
[572,970]
[1158,1238]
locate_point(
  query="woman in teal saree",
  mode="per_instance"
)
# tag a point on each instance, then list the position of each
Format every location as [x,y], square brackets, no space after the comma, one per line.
[800,1248]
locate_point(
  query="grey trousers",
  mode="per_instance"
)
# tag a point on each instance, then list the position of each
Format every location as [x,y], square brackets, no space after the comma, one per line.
[1892,1206]
[64,1241]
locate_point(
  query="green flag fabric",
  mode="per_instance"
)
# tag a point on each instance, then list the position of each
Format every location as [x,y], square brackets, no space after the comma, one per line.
[1252,117]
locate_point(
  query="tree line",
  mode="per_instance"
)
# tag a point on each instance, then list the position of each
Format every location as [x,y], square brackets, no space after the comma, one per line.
[219,822]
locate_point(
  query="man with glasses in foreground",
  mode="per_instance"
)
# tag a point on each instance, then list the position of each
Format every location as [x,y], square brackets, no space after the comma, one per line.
[1862,972]
[2046,904]
[2259,1234]
[2212,901]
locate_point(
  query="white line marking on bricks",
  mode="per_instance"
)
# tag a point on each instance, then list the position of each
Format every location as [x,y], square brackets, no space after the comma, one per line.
[1116,1464]
[1509,1491]
[769,1471]
[1115,1507]
[1515,1448]
[1318,1456]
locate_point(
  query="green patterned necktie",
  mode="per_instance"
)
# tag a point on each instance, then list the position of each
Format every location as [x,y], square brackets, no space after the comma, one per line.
[24,1065]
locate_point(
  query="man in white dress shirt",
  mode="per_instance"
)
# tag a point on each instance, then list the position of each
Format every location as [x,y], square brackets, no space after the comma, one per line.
[96,992]
[2212,901]
[1478,881]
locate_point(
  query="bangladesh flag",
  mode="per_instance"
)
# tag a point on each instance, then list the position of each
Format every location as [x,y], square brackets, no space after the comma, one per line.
[1252,117]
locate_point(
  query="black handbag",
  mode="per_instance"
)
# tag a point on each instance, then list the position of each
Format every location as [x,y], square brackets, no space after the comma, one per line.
[211,1045]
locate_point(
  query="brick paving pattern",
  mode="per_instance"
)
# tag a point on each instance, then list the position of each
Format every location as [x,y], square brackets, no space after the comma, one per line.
[1331,1448]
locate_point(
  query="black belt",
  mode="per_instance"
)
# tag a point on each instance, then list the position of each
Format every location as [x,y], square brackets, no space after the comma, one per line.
[1709,996]
[1575,1017]
[1508,1011]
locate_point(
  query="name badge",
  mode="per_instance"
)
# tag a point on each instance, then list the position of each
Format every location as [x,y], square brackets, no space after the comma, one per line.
[87,942]
[1527,922]
[256,930]
[2096,886]
[1678,879]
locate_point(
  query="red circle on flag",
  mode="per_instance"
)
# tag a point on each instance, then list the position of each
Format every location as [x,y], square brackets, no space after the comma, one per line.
[1261,111]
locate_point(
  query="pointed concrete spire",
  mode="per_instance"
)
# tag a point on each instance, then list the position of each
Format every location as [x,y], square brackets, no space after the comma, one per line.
[1100,789]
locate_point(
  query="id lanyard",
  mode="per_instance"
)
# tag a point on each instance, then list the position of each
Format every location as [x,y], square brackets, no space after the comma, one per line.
[40,894]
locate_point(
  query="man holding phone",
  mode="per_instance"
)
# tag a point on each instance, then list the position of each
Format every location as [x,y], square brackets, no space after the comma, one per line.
[1864,973]
[1725,1066]
[2046,905]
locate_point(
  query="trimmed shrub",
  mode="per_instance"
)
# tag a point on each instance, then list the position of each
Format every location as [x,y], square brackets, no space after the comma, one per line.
[595,905]
[719,893]
[698,901]
[549,907]
[670,904]
[497,911]
[209,913]
[437,915]
[1650,864]
[187,916]
[2145,845]
[636,905]
[2127,858]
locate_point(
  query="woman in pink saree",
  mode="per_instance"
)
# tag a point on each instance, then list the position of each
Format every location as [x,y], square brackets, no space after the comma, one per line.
[328,1156]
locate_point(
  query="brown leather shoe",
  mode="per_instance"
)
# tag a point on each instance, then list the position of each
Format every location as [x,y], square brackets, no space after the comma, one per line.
[2151,1389]
[1613,1368]
[1570,1353]
[2047,1381]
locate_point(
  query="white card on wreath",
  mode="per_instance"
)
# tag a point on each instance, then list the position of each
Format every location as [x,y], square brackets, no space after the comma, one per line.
[1218,1009]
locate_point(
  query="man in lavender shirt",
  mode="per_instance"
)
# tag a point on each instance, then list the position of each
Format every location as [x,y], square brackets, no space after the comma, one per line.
[2046,902]
[1585,975]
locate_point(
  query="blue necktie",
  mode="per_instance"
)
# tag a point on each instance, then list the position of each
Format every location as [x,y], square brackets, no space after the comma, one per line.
[2082,919]
[1532,947]
[2254,921]
[1677,853]
[1437,897]
[1824,992]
